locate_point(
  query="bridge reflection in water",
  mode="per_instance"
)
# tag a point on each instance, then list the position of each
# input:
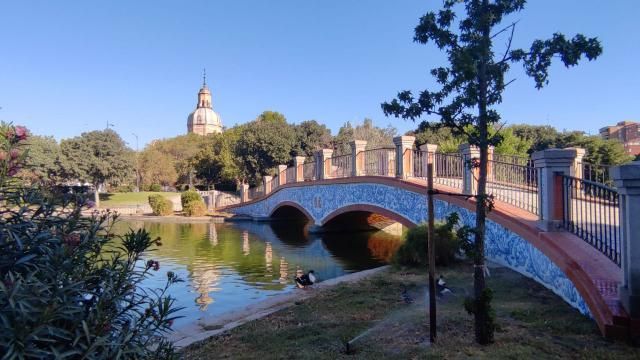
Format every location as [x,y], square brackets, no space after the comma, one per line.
[229,266]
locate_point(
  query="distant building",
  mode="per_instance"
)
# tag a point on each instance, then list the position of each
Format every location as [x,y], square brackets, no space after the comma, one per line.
[627,132]
[203,120]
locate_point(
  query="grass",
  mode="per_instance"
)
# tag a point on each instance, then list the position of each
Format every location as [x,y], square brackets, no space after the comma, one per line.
[130,198]
[533,323]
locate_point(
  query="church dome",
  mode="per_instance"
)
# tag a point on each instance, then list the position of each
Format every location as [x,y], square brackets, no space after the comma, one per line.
[204,120]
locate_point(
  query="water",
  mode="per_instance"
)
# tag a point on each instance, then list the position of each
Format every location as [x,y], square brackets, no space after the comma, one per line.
[229,266]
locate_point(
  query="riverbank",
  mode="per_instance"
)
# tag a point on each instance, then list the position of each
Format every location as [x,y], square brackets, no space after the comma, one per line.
[386,314]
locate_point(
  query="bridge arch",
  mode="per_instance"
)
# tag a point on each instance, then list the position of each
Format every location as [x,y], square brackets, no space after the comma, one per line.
[285,205]
[368,208]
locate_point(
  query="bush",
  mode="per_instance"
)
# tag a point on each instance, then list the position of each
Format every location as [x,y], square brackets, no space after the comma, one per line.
[413,251]
[68,286]
[189,196]
[195,208]
[160,205]
[155,187]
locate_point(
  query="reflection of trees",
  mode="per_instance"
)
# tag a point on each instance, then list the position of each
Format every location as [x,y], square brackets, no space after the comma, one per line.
[382,246]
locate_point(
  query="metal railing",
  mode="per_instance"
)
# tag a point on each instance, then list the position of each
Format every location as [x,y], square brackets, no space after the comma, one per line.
[256,192]
[596,173]
[448,170]
[291,174]
[275,182]
[341,166]
[514,184]
[380,162]
[309,170]
[591,212]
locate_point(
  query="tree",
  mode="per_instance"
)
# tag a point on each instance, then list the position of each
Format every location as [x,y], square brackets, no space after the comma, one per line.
[311,136]
[470,86]
[182,151]
[375,137]
[157,167]
[217,162]
[44,163]
[264,144]
[98,157]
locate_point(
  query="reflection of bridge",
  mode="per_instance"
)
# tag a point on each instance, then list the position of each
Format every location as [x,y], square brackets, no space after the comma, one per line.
[550,223]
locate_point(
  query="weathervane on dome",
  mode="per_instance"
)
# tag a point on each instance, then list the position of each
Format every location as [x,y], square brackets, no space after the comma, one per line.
[204,77]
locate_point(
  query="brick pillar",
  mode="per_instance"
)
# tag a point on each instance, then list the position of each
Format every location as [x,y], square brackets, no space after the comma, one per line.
[430,149]
[551,164]
[470,174]
[298,163]
[244,193]
[266,183]
[323,158]
[357,157]
[404,156]
[282,174]
[626,179]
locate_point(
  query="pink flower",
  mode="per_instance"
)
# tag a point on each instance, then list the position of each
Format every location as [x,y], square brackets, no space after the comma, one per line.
[14,153]
[21,132]
[13,170]
[3,155]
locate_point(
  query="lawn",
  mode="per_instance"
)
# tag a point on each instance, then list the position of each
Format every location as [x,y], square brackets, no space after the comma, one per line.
[131,198]
[533,323]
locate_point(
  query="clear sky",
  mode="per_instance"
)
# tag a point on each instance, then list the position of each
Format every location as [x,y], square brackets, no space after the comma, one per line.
[72,66]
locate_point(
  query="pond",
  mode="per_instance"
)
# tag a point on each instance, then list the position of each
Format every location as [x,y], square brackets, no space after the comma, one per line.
[227,266]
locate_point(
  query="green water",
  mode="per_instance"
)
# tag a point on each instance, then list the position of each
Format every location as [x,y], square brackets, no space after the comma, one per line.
[229,266]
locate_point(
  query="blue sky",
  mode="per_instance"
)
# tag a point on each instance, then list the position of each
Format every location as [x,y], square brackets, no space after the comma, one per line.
[72,66]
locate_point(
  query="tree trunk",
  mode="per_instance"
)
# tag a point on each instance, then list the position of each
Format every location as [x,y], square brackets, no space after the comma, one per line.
[484,334]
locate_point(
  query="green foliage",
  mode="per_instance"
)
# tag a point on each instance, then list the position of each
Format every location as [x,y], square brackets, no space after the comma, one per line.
[125,188]
[69,288]
[45,162]
[194,208]
[160,205]
[264,144]
[189,196]
[97,157]
[375,137]
[413,252]
[311,136]
[155,187]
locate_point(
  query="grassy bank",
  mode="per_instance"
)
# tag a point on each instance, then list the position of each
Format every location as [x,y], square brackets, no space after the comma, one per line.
[131,198]
[534,323]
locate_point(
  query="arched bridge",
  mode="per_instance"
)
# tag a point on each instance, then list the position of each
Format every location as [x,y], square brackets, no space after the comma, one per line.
[537,227]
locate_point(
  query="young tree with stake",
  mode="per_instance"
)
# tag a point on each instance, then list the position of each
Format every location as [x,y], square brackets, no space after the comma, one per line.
[470,86]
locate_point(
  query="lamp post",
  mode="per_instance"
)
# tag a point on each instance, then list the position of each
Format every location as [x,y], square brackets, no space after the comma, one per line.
[137,165]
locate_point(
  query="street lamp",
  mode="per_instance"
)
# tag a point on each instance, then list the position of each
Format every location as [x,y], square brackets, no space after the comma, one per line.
[137,165]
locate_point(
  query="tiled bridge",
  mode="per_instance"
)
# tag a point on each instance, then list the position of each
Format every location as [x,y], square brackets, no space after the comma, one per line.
[554,220]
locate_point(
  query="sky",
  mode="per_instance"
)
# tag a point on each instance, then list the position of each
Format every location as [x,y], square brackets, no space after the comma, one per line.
[68,67]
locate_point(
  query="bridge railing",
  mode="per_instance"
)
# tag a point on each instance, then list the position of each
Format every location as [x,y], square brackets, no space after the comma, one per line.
[591,212]
[380,162]
[595,172]
[291,174]
[514,184]
[341,166]
[309,170]
[256,192]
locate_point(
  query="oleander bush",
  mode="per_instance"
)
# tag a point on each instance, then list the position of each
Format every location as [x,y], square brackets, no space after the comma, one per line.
[413,252]
[160,205]
[70,287]
[155,187]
